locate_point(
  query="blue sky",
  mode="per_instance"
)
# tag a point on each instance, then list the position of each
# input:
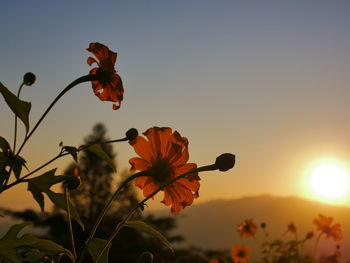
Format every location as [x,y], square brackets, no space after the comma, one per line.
[266,80]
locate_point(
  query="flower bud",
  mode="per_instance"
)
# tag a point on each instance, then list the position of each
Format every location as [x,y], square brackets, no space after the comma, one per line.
[225,161]
[73,181]
[309,235]
[29,79]
[263,225]
[131,134]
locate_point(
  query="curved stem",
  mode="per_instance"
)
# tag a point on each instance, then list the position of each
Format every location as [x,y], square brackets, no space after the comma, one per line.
[141,204]
[107,205]
[61,154]
[29,174]
[316,244]
[69,87]
[15,132]
[66,193]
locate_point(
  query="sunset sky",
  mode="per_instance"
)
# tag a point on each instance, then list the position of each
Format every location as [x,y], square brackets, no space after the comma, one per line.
[265,80]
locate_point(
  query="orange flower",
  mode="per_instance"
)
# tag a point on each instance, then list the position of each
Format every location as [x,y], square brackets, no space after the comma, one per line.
[109,86]
[240,253]
[164,155]
[247,228]
[323,224]
[214,260]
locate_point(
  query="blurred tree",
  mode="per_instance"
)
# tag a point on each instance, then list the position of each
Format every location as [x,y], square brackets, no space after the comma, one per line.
[89,198]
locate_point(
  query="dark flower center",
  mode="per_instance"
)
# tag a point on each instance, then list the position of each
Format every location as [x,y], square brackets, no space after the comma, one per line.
[104,76]
[241,254]
[161,171]
[247,228]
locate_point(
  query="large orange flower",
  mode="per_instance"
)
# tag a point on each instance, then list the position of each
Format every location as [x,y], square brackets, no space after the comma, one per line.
[109,86]
[247,228]
[324,224]
[240,253]
[165,155]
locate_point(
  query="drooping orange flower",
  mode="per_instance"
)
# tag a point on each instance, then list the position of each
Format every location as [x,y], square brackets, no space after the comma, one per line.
[247,228]
[324,224]
[109,86]
[165,155]
[240,253]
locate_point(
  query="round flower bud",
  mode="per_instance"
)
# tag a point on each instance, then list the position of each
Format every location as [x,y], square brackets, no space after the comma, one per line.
[263,225]
[131,134]
[29,79]
[225,161]
[72,181]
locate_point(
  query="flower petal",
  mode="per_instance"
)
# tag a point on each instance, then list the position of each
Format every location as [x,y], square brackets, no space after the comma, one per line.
[139,164]
[102,52]
[143,148]
[159,139]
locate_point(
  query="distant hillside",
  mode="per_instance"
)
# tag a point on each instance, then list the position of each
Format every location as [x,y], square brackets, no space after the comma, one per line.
[213,224]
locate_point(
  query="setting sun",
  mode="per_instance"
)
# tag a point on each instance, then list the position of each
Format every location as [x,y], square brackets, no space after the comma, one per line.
[330,181]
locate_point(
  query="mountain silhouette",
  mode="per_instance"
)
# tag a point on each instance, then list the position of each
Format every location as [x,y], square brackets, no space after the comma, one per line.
[212,225]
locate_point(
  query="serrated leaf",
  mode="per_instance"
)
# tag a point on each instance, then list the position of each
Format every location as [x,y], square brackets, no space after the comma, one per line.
[41,184]
[95,246]
[4,145]
[10,245]
[97,149]
[73,151]
[143,227]
[18,163]
[19,107]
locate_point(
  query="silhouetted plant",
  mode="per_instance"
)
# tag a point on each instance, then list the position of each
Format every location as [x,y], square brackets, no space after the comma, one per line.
[162,165]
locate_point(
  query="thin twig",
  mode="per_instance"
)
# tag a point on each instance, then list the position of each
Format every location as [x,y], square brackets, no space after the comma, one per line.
[66,193]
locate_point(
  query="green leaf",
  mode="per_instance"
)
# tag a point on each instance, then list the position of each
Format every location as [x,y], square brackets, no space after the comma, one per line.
[73,151]
[41,184]
[97,149]
[19,107]
[60,200]
[4,145]
[143,227]
[18,163]
[95,246]
[34,247]
[5,162]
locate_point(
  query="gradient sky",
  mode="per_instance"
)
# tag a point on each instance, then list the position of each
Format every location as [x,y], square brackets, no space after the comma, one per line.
[266,80]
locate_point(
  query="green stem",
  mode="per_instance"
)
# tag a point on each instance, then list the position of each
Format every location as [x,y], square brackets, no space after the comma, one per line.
[20,180]
[15,132]
[141,204]
[107,205]
[316,245]
[61,154]
[66,193]
[69,87]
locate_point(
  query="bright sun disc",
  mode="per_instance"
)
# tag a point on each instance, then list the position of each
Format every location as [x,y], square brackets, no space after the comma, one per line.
[330,180]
